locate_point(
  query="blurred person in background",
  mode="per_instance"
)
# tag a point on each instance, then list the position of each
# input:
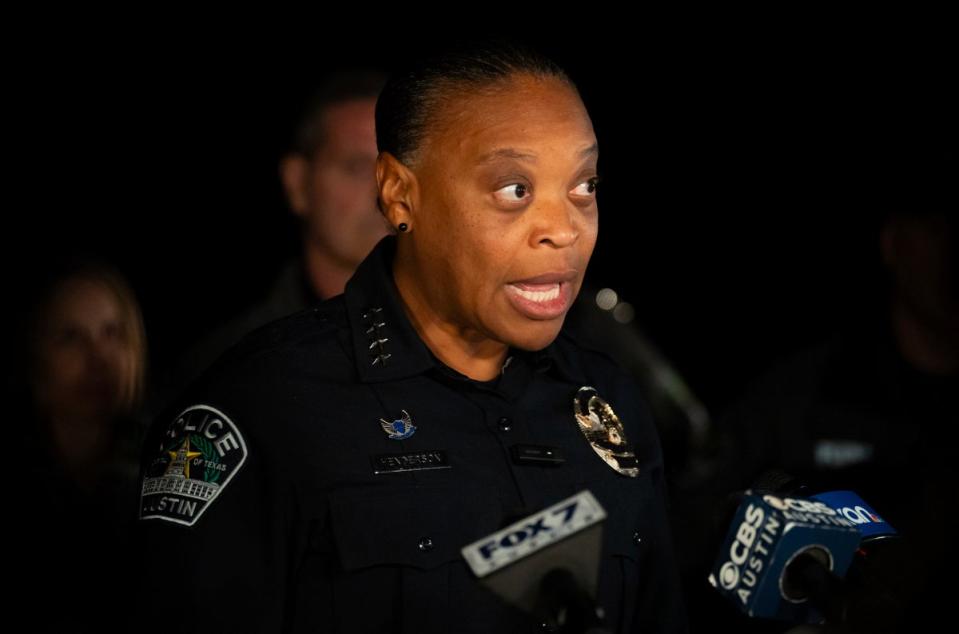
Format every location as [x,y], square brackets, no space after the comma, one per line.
[78,436]
[329,183]
[871,409]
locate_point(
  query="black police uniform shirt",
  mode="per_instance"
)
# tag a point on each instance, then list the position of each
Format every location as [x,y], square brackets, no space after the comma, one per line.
[270,500]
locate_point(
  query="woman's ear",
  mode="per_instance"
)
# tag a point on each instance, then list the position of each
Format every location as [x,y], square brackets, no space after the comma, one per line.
[397,188]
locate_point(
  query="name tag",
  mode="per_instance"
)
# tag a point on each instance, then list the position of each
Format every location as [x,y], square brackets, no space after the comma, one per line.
[410,461]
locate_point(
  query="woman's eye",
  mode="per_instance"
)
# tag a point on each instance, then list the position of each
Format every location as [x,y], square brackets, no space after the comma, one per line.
[588,188]
[514,192]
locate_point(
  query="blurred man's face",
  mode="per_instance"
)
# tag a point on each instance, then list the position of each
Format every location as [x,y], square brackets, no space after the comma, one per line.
[334,190]
[919,251]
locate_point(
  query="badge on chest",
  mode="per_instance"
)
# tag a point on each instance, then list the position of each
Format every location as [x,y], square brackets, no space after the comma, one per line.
[604,432]
[399,428]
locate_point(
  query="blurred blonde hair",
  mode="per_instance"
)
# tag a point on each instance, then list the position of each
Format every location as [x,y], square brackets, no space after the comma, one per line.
[133,384]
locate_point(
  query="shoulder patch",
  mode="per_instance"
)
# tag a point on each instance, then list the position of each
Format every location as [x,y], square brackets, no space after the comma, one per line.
[195,459]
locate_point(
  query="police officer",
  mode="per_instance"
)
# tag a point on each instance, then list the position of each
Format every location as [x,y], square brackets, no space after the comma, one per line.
[324,475]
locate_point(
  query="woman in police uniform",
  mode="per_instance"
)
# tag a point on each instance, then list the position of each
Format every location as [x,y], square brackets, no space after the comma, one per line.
[324,475]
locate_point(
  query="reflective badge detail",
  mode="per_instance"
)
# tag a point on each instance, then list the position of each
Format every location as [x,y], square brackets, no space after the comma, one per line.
[601,427]
[401,428]
[197,457]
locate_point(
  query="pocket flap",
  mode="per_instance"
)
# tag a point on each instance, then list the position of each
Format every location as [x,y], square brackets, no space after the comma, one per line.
[418,526]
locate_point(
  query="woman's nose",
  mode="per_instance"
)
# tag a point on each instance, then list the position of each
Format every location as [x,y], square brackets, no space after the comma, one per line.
[558,225]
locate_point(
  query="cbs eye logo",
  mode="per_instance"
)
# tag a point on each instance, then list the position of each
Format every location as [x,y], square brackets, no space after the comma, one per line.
[729,575]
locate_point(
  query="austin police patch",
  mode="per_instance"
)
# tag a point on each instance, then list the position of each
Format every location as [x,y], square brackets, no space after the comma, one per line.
[196,458]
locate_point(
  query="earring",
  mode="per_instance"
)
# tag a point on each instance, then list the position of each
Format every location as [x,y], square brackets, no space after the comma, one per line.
[403,226]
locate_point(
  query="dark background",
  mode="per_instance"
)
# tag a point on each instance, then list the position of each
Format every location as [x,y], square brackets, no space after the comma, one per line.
[743,175]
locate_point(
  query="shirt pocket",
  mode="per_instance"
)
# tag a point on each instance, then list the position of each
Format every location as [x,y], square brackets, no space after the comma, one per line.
[630,533]
[400,548]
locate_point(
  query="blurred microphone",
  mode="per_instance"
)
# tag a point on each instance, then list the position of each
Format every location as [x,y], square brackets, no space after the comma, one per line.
[876,587]
[847,503]
[547,564]
[784,558]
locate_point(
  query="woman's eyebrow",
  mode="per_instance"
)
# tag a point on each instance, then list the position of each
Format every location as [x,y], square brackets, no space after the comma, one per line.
[507,152]
[526,155]
[589,151]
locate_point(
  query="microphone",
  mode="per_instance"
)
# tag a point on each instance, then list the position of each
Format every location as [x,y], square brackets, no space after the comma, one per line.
[877,586]
[848,504]
[547,564]
[784,558]
[872,595]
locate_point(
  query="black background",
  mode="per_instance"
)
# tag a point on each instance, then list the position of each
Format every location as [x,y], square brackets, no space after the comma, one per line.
[743,173]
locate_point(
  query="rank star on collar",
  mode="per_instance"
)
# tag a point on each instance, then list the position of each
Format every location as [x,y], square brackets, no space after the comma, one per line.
[400,428]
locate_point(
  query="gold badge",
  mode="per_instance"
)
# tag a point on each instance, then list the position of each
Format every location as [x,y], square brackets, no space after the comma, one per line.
[605,433]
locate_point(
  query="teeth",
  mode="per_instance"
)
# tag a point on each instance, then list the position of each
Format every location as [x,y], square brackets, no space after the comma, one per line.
[538,296]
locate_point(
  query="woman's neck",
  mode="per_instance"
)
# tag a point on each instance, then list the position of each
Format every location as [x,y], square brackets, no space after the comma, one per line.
[464,349]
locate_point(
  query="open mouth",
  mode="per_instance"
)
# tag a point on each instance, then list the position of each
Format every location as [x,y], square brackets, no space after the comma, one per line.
[540,301]
[538,292]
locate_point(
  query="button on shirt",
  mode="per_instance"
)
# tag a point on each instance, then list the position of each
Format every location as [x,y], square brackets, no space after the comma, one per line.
[264,510]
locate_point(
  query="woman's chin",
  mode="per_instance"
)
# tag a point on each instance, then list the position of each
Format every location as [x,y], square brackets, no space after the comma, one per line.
[536,335]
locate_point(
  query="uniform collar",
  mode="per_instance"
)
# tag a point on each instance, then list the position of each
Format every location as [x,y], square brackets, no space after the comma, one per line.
[385,344]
